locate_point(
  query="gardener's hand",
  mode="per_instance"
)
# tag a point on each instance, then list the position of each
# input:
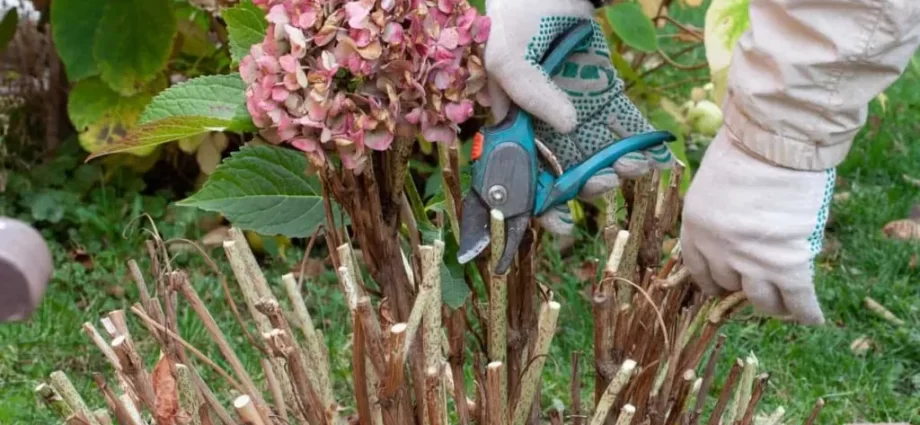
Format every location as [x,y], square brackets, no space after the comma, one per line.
[25,268]
[580,110]
[753,226]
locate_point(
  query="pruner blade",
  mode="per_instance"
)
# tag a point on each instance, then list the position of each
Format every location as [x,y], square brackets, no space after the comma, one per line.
[476,231]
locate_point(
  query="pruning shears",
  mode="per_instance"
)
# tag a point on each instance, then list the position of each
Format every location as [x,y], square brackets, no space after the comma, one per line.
[506,177]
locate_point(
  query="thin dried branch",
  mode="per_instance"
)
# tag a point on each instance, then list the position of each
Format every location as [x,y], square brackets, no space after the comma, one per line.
[729,385]
[815,411]
[759,387]
[198,354]
[225,349]
[274,387]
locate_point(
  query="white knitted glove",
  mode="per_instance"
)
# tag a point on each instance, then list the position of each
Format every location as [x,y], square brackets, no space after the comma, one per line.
[752,226]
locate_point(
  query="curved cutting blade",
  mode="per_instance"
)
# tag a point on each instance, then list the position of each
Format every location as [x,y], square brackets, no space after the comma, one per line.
[474,228]
[515,228]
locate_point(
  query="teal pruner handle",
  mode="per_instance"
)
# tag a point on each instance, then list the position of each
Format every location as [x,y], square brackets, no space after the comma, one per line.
[567,186]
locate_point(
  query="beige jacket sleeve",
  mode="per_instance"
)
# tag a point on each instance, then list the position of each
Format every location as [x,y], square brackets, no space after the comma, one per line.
[803,75]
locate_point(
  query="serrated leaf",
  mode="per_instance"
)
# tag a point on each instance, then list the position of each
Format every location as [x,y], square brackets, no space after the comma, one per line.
[133,42]
[147,136]
[8,27]
[264,189]
[73,25]
[246,25]
[214,96]
[631,24]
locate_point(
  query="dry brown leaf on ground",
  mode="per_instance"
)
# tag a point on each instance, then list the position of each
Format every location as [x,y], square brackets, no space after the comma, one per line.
[216,237]
[861,345]
[912,180]
[165,392]
[904,229]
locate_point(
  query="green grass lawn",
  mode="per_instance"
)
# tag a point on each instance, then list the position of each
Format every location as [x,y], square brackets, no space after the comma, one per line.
[880,385]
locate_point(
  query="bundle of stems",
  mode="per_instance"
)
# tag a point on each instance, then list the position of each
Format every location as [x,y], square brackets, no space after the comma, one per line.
[416,361]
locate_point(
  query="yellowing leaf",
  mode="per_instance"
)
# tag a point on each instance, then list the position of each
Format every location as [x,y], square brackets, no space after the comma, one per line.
[111,130]
[147,136]
[726,21]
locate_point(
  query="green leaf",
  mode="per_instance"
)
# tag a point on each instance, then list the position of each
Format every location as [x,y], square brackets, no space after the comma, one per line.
[73,26]
[480,5]
[246,25]
[264,189]
[454,290]
[147,136]
[631,24]
[214,96]
[88,102]
[8,27]
[133,42]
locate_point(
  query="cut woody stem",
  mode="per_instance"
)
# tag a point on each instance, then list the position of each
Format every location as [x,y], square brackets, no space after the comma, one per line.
[409,346]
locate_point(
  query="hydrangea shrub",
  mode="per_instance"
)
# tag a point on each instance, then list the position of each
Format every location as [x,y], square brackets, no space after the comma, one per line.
[346,77]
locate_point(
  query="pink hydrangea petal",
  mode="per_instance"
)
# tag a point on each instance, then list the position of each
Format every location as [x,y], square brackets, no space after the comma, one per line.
[378,140]
[279,94]
[306,144]
[307,18]
[249,71]
[277,15]
[442,80]
[459,112]
[269,64]
[289,63]
[392,33]
[357,12]
[446,6]
[449,38]
[481,29]
[414,116]
[439,133]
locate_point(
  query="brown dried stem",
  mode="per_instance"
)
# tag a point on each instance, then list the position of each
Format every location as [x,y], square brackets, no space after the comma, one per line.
[201,356]
[494,374]
[726,393]
[815,411]
[133,367]
[225,349]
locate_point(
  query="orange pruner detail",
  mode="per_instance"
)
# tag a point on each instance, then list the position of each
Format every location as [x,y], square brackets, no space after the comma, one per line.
[477,146]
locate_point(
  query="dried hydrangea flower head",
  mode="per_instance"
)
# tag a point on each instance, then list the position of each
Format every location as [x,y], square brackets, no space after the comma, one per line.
[345,76]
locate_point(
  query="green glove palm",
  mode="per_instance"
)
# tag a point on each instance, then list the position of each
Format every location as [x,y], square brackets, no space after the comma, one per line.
[579,110]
